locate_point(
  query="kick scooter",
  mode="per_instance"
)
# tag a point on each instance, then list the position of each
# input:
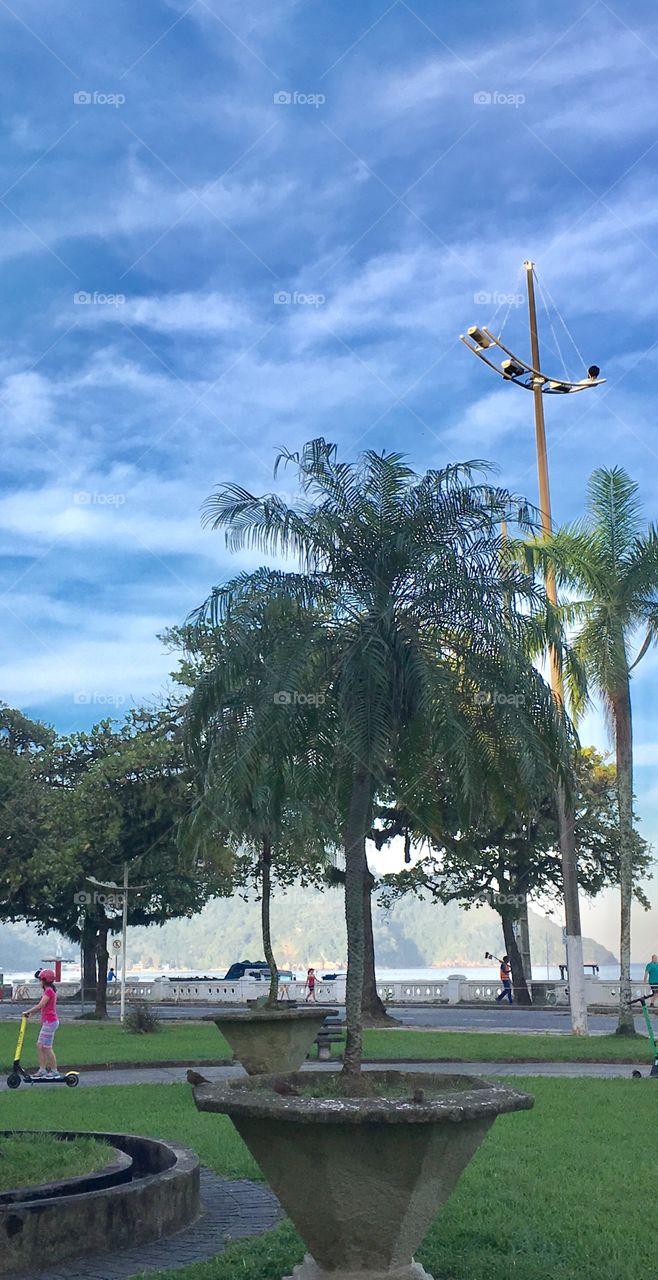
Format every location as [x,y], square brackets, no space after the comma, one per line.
[637,1075]
[18,1075]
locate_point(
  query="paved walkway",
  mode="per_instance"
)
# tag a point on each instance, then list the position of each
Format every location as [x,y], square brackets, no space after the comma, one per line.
[232,1211]
[176,1075]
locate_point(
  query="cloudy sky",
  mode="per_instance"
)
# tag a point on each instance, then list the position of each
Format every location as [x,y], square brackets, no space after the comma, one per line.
[230,225]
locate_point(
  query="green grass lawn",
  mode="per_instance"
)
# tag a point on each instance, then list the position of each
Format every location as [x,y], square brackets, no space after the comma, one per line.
[79,1044]
[480,1046]
[562,1191]
[26,1160]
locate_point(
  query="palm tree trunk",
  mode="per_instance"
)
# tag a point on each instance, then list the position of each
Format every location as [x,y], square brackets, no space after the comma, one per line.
[577,992]
[265,905]
[621,708]
[358,823]
[524,942]
[373,1009]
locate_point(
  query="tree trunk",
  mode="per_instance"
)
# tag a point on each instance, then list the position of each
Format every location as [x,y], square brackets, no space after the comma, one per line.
[357,824]
[521,993]
[621,707]
[524,942]
[373,1010]
[265,904]
[88,943]
[577,992]
[101,960]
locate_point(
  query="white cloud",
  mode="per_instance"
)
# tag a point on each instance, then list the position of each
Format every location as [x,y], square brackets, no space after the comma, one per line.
[202,312]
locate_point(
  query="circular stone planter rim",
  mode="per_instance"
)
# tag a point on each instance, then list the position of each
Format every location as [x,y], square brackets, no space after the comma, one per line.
[271,1015]
[184,1159]
[119,1160]
[247,1098]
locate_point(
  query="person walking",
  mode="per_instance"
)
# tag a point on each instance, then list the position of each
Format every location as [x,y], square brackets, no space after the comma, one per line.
[310,986]
[506,981]
[47,1007]
[651,976]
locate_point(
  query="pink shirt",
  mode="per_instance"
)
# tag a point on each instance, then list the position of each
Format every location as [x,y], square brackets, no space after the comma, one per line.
[49,1011]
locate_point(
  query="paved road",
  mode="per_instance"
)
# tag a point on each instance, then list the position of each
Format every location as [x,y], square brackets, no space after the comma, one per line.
[441,1018]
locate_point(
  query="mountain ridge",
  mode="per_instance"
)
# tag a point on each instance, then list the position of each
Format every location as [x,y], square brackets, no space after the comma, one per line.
[308,928]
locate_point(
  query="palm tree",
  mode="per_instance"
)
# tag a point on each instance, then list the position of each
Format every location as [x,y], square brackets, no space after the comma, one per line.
[608,563]
[257,807]
[404,576]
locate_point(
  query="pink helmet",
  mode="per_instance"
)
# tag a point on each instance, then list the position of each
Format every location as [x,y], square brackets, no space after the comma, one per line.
[47,975]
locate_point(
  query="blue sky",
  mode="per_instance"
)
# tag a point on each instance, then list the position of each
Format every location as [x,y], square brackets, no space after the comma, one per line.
[281,216]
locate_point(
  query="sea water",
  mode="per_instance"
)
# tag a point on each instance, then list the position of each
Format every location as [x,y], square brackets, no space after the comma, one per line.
[482,973]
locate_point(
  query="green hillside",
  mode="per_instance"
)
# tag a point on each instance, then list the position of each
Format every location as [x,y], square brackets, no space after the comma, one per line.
[21,948]
[308,928]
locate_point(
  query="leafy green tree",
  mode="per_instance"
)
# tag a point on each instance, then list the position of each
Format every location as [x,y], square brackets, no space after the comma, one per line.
[506,857]
[25,809]
[113,796]
[404,575]
[607,564]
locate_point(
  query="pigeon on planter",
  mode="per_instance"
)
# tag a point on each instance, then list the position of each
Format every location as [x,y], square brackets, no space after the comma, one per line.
[193,1077]
[285,1088]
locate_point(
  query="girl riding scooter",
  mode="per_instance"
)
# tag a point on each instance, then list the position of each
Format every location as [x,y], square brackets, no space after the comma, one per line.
[47,1006]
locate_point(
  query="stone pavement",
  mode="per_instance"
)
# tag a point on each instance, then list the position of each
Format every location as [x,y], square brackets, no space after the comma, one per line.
[232,1211]
[176,1075]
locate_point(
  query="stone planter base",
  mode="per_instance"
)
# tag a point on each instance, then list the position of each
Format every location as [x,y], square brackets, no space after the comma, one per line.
[271,1040]
[309,1270]
[361,1178]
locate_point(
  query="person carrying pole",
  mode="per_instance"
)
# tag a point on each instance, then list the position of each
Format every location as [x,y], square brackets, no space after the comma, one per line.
[506,981]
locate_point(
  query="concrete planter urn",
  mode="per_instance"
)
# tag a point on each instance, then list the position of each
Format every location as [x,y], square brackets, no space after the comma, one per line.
[271,1040]
[362,1179]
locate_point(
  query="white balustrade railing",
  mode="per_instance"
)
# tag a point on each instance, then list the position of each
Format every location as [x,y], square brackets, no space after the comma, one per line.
[456,989]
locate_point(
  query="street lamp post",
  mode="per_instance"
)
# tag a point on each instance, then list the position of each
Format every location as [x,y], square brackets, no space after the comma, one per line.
[531,377]
[124,940]
[577,993]
[124,889]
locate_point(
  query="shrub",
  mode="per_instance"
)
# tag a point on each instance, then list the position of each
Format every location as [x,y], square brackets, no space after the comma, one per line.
[141,1019]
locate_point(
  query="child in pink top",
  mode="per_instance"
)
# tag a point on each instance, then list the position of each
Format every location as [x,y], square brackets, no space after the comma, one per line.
[47,1007]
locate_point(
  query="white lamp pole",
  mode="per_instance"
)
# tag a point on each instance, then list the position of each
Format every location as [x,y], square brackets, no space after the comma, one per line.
[123,890]
[124,938]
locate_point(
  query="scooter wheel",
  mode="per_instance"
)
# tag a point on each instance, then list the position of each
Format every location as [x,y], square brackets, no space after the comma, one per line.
[72,1079]
[637,1075]
[13,1081]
